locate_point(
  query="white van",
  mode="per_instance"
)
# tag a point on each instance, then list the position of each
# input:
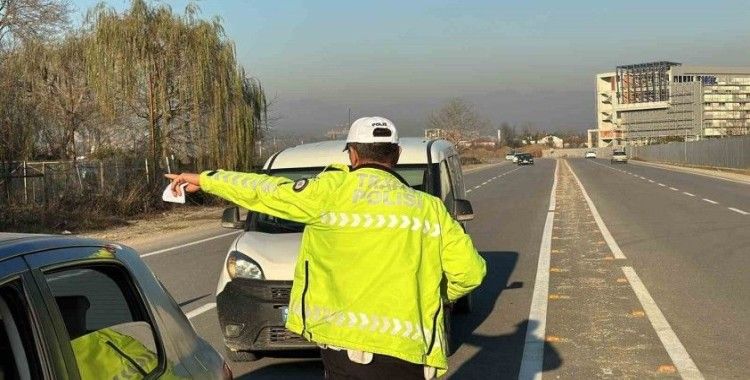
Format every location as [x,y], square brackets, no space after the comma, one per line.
[255,282]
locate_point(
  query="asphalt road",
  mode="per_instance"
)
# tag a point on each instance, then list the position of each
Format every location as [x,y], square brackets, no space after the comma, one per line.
[691,248]
[688,246]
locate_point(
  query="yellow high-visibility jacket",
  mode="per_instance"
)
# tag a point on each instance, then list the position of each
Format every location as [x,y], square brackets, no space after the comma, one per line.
[376,261]
[108,354]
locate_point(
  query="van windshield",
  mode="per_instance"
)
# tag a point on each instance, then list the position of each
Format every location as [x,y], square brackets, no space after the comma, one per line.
[414,175]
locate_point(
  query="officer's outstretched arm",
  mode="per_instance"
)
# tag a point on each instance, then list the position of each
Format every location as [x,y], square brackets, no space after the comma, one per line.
[464,268]
[299,201]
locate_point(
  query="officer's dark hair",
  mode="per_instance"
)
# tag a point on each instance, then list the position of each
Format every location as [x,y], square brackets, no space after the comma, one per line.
[386,153]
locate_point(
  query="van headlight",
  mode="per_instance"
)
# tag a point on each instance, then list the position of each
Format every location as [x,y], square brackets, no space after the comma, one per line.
[241,266]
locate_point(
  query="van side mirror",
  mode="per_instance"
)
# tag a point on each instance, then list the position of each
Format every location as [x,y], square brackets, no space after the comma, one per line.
[231,218]
[464,211]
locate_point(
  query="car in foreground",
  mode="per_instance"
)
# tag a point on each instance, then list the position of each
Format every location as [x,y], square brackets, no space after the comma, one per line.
[252,295]
[525,159]
[590,154]
[619,156]
[80,308]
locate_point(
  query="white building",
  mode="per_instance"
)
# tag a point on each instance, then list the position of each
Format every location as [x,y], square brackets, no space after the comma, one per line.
[643,103]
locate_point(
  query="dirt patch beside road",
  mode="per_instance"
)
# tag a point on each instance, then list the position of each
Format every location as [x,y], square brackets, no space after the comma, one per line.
[156,226]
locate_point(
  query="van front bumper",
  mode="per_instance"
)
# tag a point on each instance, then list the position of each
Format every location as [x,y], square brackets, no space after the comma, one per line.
[252,316]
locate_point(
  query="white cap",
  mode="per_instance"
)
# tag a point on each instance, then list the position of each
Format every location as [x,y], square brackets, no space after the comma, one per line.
[369,130]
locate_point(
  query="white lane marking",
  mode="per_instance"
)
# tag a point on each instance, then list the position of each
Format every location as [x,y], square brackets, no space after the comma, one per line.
[189,244]
[476,187]
[674,188]
[613,246]
[196,312]
[739,211]
[468,191]
[710,201]
[533,348]
[662,185]
[651,180]
[688,194]
[641,177]
[669,339]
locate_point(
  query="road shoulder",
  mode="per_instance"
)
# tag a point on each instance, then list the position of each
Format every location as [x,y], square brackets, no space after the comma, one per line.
[711,173]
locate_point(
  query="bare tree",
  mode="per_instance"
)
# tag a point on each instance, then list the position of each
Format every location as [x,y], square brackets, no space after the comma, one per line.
[458,119]
[24,20]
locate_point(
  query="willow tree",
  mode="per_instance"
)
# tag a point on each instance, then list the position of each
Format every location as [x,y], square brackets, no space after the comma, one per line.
[179,74]
[55,74]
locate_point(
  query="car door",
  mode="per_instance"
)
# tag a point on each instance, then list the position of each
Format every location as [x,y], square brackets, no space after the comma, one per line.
[24,352]
[101,319]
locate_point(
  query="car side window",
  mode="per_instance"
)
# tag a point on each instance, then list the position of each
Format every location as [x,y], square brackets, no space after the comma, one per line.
[110,331]
[446,188]
[18,357]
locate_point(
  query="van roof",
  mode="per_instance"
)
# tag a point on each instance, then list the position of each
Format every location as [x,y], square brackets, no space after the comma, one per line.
[324,153]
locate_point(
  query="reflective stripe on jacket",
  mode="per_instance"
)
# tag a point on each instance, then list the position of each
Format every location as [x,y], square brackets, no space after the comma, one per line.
[374,256]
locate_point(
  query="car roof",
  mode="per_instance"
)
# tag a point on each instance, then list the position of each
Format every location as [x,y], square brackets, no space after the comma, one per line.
[17,244]
[324,153]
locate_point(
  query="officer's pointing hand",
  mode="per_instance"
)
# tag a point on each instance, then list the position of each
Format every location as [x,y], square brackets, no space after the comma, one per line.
[193,182]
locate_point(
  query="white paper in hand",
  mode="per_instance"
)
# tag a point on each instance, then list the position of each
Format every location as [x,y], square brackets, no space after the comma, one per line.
[167,196]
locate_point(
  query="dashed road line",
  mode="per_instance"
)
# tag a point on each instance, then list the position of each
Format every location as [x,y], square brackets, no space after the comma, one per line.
[196,312]
[190,244]
[739,211]
[675,349]
[533,348]
[613,246]
[742,212]
[489,180]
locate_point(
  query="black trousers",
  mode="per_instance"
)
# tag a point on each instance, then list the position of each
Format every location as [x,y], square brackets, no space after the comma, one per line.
[339,367]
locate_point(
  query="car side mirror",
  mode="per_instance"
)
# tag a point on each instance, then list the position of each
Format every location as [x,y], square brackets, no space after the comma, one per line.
[464,211]
[231,218]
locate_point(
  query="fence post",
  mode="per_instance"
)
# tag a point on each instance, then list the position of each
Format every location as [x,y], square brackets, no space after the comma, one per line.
[44,182]
[78,174]
[25,185]
[148,179]
[101,174]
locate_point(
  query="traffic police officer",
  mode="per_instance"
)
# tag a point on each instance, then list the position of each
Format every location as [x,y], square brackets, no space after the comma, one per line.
[368,289]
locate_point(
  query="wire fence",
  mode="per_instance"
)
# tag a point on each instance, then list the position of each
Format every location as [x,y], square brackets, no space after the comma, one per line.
[37,183]
[728,152]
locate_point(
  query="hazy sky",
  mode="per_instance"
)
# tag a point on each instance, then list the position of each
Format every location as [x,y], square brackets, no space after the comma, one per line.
[516,60]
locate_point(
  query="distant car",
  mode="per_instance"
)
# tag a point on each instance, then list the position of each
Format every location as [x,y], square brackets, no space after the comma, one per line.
[590,154]
[619,156]
[82,308]
[510,155]
[252,295]
[515,157]
[525,159]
